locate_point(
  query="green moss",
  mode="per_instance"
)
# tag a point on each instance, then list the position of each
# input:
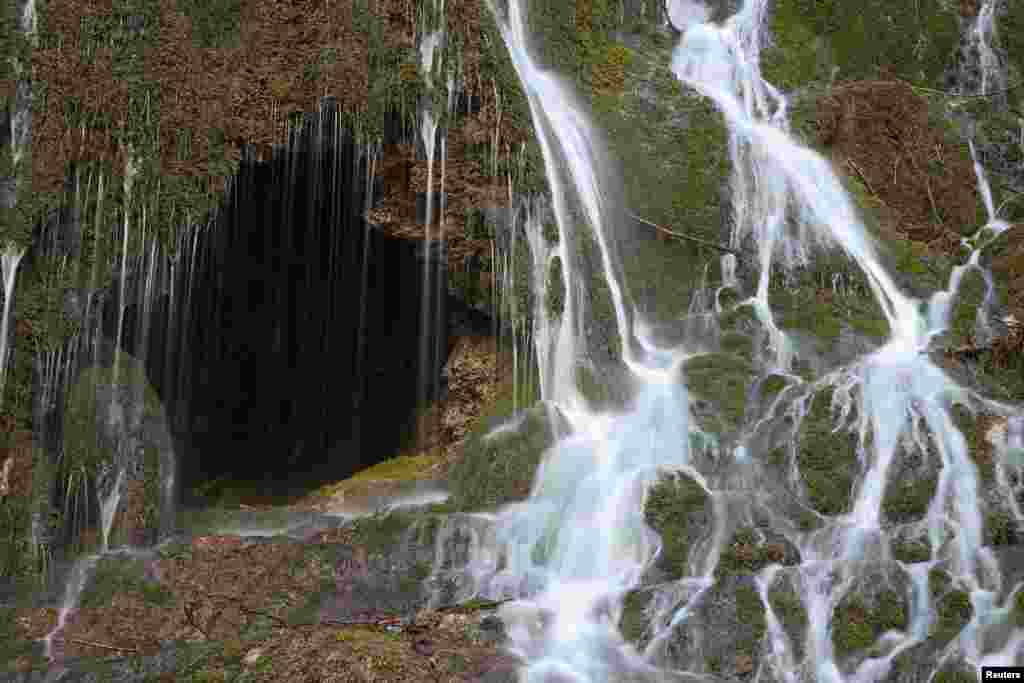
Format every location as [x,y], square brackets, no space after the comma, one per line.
[1000,528]
[907,499]
[938,582]
[120,575]
[812,37]
[743,554]
[737,344]
[828,461]
[791,614]
[1018,608]
[969,301]
[967,424]
[750,613]
[380,531]
[497,470]
[856,625]
[910,551]
[555,300]
[954,610]
[954,673]
[677,509]
[634,618]
[724,380]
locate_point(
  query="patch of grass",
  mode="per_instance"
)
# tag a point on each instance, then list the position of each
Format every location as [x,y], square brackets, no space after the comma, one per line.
[1000,529]
[677,508]
[380,531]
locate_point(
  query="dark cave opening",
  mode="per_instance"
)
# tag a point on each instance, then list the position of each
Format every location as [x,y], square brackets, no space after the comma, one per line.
[291,354]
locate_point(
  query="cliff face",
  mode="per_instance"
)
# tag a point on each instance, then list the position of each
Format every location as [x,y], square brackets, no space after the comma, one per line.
[142,113]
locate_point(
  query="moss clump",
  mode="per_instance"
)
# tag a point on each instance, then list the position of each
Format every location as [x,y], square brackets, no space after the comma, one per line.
[907,499]
[827,461]
[737,344]
[954,673]
[724,380]
[1018,608]
[772,385]
[499,468]
[938,582]
[979,452]
[910,551]
[676,508]
[609,75]
[743,555]
[791,614]
[381,531]
[555,290]
[812,37]
[953,612]
[633,623]
[856,625]
[750,613]
[1000,529]
[969,301]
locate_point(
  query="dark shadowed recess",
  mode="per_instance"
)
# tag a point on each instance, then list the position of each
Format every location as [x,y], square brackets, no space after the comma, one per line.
[300,356]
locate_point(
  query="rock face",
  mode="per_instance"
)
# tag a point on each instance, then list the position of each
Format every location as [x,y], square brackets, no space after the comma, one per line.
[116,423]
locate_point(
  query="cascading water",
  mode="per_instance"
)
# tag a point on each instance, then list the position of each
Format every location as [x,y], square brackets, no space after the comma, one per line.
[579,543]
[9,260]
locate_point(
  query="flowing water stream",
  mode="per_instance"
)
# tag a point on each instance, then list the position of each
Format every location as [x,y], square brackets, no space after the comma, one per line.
[570,553]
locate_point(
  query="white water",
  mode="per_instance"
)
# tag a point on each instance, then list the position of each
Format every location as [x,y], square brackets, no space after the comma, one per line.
[579,543]
[9,260]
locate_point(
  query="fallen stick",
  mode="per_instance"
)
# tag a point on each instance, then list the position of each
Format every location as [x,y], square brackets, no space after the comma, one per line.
[103,646]
[673,233]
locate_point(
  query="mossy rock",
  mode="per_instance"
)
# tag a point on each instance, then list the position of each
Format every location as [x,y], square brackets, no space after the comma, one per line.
[907,499]
[499,468]
[953,610]
[745,554]
[724,380]
[791,613]
[910,551]
[813,37]
[1000,529]
[857,624]
[725,630]
[827,460]
[956,672]
[969,300]
[633,623]
[679,510]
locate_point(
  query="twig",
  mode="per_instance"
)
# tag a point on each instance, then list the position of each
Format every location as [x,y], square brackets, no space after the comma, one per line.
[864,178]
[103,646]
[673,233]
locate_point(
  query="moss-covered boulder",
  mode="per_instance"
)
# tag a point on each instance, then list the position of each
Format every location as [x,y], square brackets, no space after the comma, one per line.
[724,633]
[788,608]
[680,511]
[498,466]
[827,459]
[751,550]
[115,420]
[723,382]
[858,621]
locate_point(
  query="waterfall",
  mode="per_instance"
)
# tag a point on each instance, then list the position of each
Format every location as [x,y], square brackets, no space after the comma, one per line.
[9,260]
[571,551]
